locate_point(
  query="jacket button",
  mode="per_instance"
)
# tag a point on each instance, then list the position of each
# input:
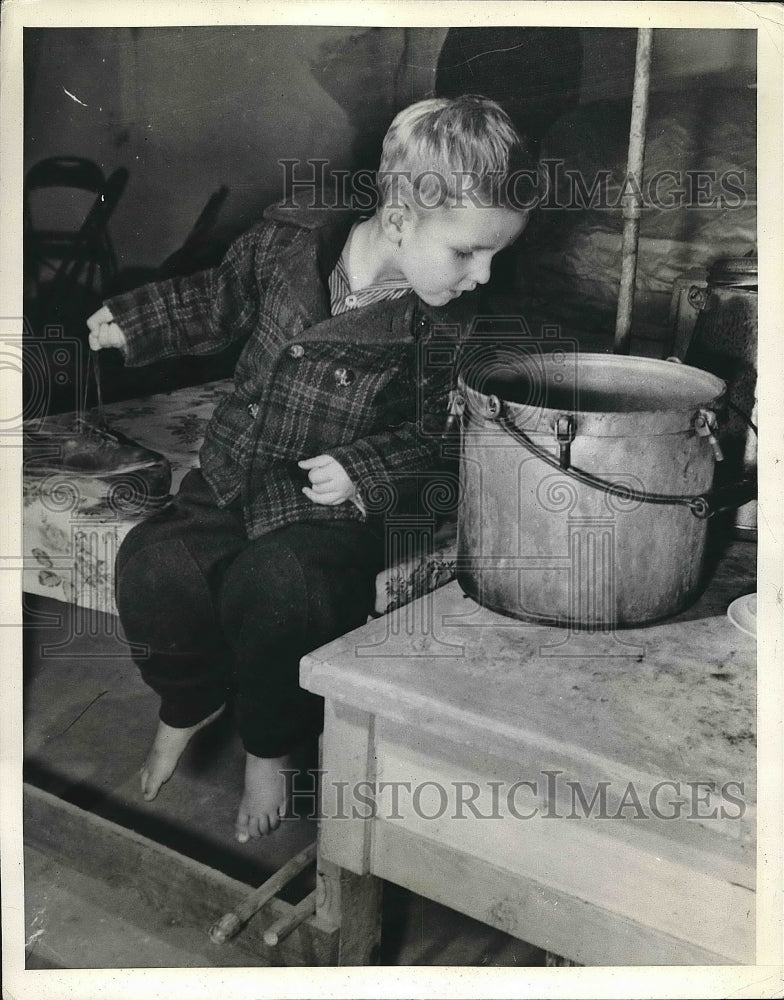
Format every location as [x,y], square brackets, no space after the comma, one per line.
[297,351]
[253,409]
[344,376]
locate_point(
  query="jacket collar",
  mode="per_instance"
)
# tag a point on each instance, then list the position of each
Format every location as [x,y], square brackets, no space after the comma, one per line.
[308,261]
[393,321]
[305,266]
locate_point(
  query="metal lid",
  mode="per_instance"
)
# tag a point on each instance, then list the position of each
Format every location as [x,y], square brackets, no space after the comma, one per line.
[734,271]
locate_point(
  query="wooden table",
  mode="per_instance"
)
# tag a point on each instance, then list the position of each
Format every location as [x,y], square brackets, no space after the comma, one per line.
[590,794]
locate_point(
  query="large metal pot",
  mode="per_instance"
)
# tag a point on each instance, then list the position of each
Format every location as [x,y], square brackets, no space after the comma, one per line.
[583,485]
[724,342]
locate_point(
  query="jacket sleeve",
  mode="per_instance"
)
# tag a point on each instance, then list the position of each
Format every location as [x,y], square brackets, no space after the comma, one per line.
[201,313]
[397,461]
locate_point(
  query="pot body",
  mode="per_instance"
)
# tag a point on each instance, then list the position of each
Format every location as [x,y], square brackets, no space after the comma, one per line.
[536,543]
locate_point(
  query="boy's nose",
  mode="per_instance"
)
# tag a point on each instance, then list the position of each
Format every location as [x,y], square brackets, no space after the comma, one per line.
[480,269]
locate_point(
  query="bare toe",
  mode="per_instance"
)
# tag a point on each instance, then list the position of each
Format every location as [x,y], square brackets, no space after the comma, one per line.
[167,747]
[146,787]
[264,798]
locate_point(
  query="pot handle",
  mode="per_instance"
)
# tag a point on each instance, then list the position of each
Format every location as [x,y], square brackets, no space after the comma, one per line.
[705,426]
[697,297]
[728,497]
[701,505]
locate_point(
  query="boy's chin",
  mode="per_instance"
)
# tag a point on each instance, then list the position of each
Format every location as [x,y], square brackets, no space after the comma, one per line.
[439,298]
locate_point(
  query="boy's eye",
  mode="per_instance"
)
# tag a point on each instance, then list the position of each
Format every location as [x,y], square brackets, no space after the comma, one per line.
[463,254]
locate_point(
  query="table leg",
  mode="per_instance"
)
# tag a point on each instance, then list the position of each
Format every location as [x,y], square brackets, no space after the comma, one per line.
[553,961]
[348,901]
[353,904]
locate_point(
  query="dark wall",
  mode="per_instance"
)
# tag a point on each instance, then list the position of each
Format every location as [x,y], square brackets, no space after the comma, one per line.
[190,109]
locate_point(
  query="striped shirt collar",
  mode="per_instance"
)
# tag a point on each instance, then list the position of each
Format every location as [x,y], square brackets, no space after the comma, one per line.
[342,299]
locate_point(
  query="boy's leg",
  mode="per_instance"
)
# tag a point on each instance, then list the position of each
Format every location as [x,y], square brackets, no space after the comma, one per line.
[167,573]
[286,594]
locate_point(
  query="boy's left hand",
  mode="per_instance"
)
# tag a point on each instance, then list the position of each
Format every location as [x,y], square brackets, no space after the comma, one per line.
[329,481]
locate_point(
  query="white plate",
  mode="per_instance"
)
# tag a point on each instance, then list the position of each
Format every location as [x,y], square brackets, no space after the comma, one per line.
[743,614]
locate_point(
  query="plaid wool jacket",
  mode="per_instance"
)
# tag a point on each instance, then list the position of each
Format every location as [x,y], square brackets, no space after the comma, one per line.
[369,387]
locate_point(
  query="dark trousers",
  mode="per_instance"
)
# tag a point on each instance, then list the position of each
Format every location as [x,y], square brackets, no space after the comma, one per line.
[219,613]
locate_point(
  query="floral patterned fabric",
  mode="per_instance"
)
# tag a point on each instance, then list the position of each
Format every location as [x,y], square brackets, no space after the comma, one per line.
[71,534]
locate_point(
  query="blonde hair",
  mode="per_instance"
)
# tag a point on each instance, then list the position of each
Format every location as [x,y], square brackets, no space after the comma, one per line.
[450,148]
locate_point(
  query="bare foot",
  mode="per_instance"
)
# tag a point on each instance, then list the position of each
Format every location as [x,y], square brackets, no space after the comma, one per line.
[264,799]
[166,750]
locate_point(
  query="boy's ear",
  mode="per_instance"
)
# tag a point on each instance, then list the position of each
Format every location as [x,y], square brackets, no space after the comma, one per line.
[395,219]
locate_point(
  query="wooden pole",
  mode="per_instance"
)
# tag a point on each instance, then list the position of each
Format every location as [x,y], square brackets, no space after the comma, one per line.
[285,925]
[633,183]
[231,922]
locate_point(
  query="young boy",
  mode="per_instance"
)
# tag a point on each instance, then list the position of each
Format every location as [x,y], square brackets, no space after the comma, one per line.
[272,547]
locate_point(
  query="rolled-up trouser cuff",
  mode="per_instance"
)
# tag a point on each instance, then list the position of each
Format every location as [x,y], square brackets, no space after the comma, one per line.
[186,712]
[187,686]
[291,728]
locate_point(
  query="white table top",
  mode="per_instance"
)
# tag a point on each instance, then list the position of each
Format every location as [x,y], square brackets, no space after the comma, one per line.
[674,701]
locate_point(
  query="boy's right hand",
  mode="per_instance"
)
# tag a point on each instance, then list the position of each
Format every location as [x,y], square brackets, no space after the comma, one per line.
[104,332]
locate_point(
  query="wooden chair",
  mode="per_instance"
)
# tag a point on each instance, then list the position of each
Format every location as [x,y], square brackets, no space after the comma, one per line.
[57,260]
